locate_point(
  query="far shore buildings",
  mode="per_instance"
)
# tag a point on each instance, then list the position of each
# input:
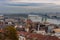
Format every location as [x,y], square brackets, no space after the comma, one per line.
[37,18]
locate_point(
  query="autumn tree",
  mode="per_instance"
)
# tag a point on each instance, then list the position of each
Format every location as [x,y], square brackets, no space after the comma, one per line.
[11,33]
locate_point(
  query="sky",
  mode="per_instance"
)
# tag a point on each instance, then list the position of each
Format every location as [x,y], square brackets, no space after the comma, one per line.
[28,6]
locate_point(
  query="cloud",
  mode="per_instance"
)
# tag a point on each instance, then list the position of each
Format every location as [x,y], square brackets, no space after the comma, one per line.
[43,7]
[57,2]
[27,6]
[28,9]
[30,4]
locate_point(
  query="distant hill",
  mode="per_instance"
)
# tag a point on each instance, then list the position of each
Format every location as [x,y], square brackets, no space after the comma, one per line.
[16,15]
[47,15]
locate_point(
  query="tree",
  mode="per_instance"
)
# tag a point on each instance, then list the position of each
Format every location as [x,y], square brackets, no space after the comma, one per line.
[11,33]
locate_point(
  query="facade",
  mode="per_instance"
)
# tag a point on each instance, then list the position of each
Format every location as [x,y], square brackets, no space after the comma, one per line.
[53,21]
[35,18]
[1,18]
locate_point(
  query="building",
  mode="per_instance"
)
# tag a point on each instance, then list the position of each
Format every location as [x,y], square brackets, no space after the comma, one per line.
[35,18]
[2,18]
[53,21]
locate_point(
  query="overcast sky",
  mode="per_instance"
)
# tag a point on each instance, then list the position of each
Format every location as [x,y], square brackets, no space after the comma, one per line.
[27,6]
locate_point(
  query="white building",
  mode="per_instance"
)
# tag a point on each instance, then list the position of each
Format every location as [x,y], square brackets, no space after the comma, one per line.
[1,18]
[35,18]
[22,37]
[53,21]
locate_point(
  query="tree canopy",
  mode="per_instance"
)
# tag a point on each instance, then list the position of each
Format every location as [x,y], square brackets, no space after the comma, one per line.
[11,33]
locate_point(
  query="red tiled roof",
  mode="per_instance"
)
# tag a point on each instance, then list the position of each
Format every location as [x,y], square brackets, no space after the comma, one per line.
[1,31]
[39,36]
[52,38]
